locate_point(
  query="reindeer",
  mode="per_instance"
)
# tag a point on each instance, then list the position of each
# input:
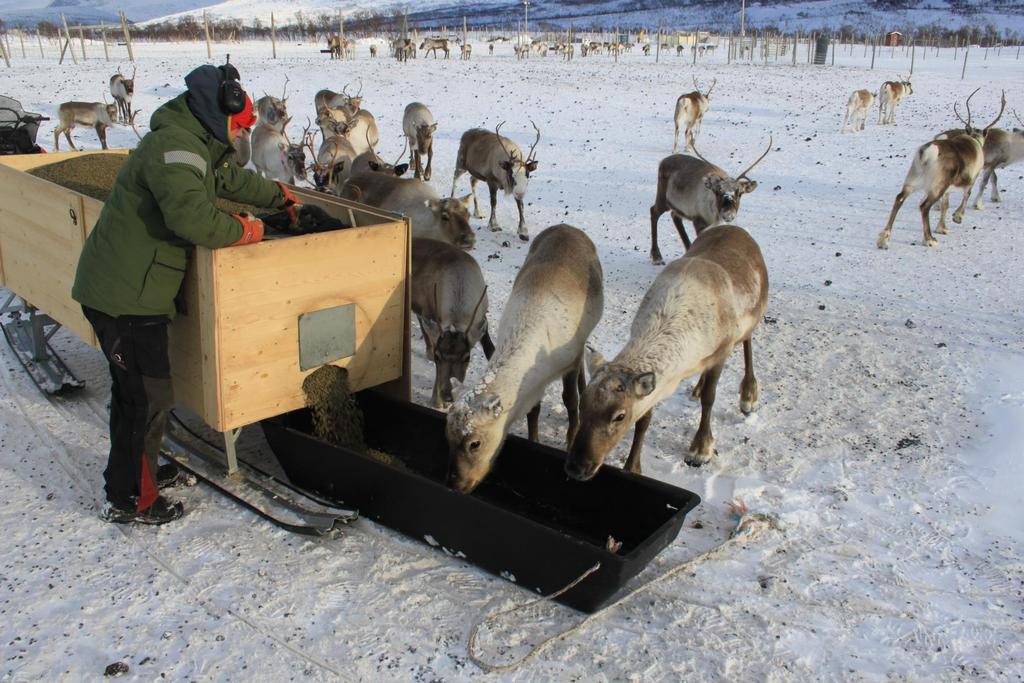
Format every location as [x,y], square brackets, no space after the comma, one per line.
[440,219]
[497,161]
[335,46]
[522,51]
[419,127]
[274,156]
[273,111]
[449,298]
[1002,148]
[334,159]
[647,49]
[556,301]
[937,168]
[328,99]
[490,49]
[370,162]
[540,47]
[857,109]
[373,52]
[433,45]
[349,49]
[690,109]
[697,190]
[96,114]
[679,50]
[889,95]
[466,51]
[122,89]
[696,311]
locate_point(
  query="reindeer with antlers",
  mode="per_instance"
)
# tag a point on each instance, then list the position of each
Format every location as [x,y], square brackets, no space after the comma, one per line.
[500,163]
[937,168]
[122,89]
[889,95]
[695,189]
[690,109]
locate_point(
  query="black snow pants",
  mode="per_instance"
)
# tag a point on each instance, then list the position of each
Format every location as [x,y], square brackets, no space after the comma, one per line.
[141,397]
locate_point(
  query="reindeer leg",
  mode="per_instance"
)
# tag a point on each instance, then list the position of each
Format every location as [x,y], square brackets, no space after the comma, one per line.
[455,178]
[748,386]
[430,162]
[698,388]
[702,448]
[639,431]
[67,134]
[418,168]
[101,131]
[883,237]
[531,423]
[56,140]
[675,142]
[524,234]
[681,229]
[571,399]
[926,207]
[943,208]
[995,192]
[656,211]
[958,215]
[493,222]
[487,344]
[477,213]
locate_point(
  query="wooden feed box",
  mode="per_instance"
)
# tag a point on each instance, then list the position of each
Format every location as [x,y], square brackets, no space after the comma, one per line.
[235,353]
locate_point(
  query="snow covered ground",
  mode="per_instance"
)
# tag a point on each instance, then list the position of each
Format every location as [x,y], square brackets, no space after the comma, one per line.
[888,440]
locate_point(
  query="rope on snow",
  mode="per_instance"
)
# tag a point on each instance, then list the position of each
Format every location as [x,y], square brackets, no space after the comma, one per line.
[750,525]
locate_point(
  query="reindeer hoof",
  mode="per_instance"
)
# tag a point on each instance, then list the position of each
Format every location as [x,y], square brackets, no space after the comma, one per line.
[524,236]
[657,260]
[942,230]
[494,227]
[697,459]
[883,242]
[748,406]
[958,218]
[931,242]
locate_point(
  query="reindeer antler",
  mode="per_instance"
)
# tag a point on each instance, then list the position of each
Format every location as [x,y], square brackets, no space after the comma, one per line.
[404,149]
[696,86]
[472,318]
[751,167]
[1016,116]
[284,95]
[1002,108]
[693,146]
[967,123]
[131,122]
[708,95]
[529,157]
[360,88]
[134,68]
[497,132]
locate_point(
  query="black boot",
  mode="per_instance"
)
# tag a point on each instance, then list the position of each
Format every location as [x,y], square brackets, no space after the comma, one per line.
[160,512]
[166,475]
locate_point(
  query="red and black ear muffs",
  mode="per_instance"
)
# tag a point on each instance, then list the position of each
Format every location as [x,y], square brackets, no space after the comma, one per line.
[230,95]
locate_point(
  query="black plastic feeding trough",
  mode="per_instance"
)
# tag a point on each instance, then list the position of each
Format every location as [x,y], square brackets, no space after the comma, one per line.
[527,522]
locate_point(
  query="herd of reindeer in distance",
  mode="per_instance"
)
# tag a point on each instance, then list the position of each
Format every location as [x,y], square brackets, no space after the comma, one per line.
[694,313]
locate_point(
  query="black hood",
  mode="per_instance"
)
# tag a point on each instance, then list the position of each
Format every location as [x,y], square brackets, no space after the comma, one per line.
[203,85]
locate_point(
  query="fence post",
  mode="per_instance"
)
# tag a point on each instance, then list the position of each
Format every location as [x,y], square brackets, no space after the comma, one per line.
[912,46]
[39,38]
[81,39]
[206,30]
[3,52]
[963,72]
[103,34]
[21,37]
[873,45]
[273,36]
[67,35]
[127,38]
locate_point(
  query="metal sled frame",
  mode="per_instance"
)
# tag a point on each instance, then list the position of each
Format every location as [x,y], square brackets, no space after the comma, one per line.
[28,332]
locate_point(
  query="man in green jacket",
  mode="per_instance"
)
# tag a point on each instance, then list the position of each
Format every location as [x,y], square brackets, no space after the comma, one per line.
[133,263]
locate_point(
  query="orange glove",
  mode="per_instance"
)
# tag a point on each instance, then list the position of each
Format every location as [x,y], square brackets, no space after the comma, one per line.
[252,229]
[291,203]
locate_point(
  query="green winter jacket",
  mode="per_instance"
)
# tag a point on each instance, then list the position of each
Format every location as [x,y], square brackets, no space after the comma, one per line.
[133,261]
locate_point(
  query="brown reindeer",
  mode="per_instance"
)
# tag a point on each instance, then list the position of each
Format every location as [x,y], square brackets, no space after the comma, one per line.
[692,317]
[697,190]
[95,114]
[937,168]
[690,109]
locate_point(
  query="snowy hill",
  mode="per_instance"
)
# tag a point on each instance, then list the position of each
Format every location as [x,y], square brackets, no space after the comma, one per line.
[709,14]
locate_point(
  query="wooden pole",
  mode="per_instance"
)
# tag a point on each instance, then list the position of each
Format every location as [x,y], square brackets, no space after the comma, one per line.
[39,38]
[103,33]
[912,50]
[67,34]
[21,37]
[273,36]
[873,44]
[963,72]
[796,42]
[657,52]
[206,30]
[833,52]
[341,33]
[81,38]
[127,38]
[3,51]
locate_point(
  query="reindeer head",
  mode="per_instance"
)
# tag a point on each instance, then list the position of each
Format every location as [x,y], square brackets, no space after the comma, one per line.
[452,214]
[517,170]
[729,191]
[707,95]
[129,83]
[608,408]
[425,137]
[452,349]
[378,165]
[111,111]
[297,159]
[475,429]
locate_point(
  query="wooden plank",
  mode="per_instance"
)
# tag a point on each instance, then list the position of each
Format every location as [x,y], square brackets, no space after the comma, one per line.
[261,290]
